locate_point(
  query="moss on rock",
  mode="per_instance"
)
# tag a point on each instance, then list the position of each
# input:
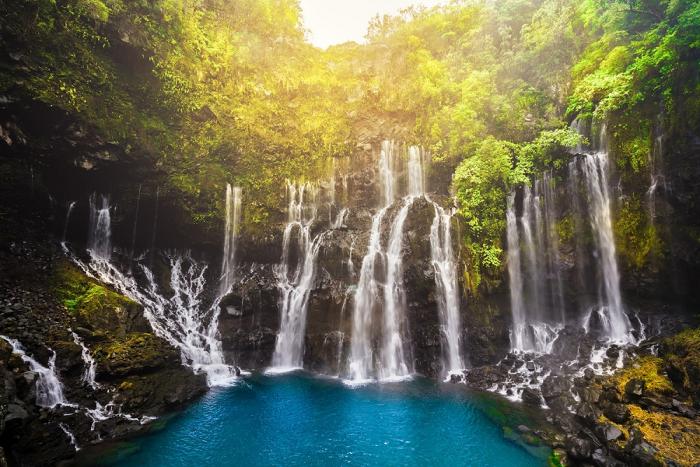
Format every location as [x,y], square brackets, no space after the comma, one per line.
[637,239]
[648,369]
[93,305]
[675,437]
[681,354]
[134,354]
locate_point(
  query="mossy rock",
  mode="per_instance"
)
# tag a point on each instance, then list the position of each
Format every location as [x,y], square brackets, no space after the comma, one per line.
[94,306]
[675,437]
[649,370]
[681,354]
[136,353]
[161,391]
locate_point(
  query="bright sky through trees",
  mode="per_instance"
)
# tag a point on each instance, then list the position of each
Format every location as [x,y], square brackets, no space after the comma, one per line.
[333,22]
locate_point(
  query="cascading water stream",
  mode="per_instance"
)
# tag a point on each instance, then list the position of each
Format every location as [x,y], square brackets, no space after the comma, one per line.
[49,390]
[447,289]
[69,211]
[361,359]
[295,282]
[100,232]
[519,338]
[536,290]
[136,224]
[89,371]
[656,174]
[592,168]
[392,363]
[182,319]
[233,219]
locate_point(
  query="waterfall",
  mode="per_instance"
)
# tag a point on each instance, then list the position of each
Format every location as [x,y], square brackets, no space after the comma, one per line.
[88,376]
[387,166]
[588,173]
[233,219]
[416,178]
[295,281]
[551,241]
[394,363]
[535,287]
[154,229]
[136,223]
[593,170]
[371,293]
[344,182]
[100,232]
[351,263]
[447,288]
[656,174]
[182,318]
[519,338]
[49,390]
[340,219]
[69,211]
[360,364]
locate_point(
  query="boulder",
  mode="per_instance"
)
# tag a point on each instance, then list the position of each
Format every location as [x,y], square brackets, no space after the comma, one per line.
[532,397]
[618,413]
[634,389]
[607,433]
[579,448]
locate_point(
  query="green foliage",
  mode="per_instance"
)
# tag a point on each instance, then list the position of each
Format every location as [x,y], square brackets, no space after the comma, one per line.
[483,180]
[229,91]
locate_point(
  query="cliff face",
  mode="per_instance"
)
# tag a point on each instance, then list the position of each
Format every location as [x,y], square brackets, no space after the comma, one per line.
[658,254]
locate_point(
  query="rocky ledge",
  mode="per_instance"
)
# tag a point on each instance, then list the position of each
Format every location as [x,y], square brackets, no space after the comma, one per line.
[634,405]
[63,319]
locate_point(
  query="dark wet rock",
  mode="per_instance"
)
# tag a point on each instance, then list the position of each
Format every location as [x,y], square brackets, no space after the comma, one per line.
[613,352]
[588,413]
[607,433]
[618,413]
[640,451]
[579,448]
[611,394]
[568,344]
[556,391]
[485,377]
[532,397]
[634,389]
[590,394]
[684,409]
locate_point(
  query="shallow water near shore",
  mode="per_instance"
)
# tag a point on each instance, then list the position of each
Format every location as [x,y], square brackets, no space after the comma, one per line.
[297,419]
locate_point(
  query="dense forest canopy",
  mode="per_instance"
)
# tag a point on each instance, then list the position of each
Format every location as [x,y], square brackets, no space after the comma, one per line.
[214,91]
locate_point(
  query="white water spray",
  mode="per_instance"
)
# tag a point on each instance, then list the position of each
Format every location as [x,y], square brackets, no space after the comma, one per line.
[100,232]
[89,371]
[49,390]
[592,170]
[447,289]
[233,219]
[295,281]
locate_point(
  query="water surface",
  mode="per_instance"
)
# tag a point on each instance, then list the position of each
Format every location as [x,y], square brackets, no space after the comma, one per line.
[302,420]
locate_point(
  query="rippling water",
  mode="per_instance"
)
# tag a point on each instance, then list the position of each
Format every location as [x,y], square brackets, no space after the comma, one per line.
[301,420]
